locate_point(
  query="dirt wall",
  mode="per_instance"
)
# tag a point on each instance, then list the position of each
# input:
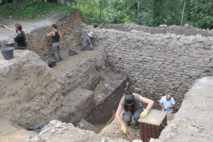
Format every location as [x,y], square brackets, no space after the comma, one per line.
[31,92]
[71,28]
[106,109]
[28,88]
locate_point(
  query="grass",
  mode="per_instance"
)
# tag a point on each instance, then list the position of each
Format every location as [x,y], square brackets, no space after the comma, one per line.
[31,10]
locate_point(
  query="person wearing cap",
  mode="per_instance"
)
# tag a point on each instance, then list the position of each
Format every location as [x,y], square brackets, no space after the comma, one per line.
[20,39]
[167,103]
[131,105]
[87,42]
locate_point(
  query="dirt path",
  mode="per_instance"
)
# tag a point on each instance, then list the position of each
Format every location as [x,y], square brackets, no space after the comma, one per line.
[63,67]
[28,25]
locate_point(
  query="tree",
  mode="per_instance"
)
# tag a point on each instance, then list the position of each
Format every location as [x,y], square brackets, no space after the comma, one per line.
[156,12]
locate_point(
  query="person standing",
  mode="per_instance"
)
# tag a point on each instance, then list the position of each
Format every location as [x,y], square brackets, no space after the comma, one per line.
[20,39]
[56,35]
[167,103]
[131,103]
[87,42]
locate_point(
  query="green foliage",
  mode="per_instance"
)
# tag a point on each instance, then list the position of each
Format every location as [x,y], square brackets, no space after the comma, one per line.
[30,10]
[198,13]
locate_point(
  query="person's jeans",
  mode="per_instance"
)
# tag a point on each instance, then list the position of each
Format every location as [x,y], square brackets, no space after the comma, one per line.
[86,48]
[56,51]
[128,115]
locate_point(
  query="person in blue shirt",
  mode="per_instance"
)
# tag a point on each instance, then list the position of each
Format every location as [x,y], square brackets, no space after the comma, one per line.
[167,103]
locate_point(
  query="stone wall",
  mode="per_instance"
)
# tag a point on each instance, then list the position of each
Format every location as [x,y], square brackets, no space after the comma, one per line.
[193,121]
[158,63]
[71,28]
[180,30]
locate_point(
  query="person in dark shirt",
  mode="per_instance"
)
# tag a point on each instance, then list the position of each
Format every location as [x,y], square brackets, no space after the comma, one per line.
[20,39]
[87,42]
[56,35]
[131,107]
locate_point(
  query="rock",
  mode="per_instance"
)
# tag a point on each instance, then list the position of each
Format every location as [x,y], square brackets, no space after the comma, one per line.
[81,124]
[34,126]
[162,26]
[54,133]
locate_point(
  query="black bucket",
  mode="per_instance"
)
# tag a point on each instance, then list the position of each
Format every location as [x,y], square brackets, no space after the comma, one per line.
[9,44]
[7,52]
[72,52]
[52,63]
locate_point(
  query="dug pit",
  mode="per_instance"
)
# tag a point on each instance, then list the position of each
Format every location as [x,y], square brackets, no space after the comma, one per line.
[85,89]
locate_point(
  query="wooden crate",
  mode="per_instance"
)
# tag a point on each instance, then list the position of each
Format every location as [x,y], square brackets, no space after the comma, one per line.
[152,125]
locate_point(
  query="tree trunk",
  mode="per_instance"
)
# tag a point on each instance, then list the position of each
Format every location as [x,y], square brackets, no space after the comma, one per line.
[138,11]
[183,11]
[64,2]
[100,15]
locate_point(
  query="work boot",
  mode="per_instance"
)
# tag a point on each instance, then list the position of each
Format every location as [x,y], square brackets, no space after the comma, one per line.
[128,124]
[136,126]
[87,49]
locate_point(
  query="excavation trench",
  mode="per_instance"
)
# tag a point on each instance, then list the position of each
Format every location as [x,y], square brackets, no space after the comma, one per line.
[83,89]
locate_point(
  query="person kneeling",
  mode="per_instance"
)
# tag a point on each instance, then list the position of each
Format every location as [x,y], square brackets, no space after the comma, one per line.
[131,103]
[87,42]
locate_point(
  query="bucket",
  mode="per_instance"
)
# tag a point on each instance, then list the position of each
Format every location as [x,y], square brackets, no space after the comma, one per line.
[51,63]
[72,52]
[7,52]
[9,44]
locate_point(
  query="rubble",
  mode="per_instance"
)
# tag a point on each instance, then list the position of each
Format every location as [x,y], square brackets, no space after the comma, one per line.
[57,131]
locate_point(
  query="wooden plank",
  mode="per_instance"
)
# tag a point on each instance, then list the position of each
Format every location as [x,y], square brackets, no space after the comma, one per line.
[155,117]
[145,135]
[152,125]
[141,128]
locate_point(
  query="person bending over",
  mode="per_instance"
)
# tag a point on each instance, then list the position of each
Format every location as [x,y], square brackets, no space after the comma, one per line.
[131,103]
[20,39]
[56,35]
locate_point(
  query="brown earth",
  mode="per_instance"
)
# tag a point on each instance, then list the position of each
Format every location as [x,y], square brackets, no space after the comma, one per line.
[80,71]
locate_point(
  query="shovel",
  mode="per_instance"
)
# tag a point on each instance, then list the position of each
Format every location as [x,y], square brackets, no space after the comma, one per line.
[128,136]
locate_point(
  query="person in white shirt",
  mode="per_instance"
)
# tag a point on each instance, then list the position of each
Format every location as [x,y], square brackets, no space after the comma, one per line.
[167,103]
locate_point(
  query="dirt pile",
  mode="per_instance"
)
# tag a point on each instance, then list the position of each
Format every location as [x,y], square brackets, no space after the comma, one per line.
[10,132]
[70,28]
[28,85]
[57,131]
